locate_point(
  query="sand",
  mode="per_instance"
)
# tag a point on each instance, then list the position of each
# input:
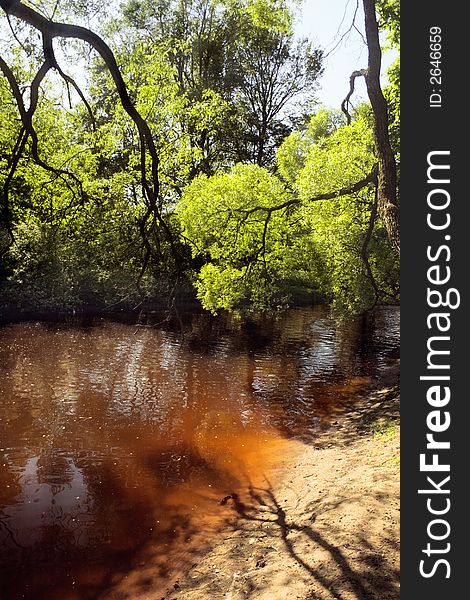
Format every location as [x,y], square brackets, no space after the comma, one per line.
[324,526]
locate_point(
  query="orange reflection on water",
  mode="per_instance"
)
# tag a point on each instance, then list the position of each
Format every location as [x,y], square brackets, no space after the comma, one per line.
[118,444]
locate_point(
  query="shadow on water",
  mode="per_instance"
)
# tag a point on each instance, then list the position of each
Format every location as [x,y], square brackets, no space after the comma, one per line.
[72,553]
[119,441]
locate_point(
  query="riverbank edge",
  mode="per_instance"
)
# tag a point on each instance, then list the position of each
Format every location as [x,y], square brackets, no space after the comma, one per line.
[151,312]
[325,527]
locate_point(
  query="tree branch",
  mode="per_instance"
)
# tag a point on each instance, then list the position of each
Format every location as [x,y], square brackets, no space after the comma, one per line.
[345,103]
[27,115]
[387,176]
[13,164]
[151,188]
[345,191]
[69,80]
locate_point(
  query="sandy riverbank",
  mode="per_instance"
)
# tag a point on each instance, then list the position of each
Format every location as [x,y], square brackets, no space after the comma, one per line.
[327,527]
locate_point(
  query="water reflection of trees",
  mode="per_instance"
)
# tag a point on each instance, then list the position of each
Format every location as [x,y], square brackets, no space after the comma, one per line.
[108,374]
[114,439]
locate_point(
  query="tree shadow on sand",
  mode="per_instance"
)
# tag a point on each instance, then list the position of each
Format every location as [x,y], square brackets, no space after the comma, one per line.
[356,569]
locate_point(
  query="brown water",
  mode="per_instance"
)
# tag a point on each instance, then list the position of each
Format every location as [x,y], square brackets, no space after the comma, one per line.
[117,442]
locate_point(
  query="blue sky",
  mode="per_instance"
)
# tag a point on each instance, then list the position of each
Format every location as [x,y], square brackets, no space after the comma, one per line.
[325,22]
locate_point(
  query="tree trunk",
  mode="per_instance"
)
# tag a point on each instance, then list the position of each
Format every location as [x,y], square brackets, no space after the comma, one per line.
[387,205]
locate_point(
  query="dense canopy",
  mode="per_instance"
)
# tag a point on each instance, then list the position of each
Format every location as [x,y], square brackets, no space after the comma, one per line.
[176,146]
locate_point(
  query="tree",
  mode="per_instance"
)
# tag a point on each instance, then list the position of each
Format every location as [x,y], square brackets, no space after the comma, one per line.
[262,240]
[49,30]
[274,72]
[242,51]
[188,141]
[387,201]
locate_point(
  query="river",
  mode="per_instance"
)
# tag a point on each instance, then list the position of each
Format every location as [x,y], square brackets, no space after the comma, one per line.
[119,442]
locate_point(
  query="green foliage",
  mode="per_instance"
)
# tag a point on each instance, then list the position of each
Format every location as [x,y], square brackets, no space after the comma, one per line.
[238,188]
[292,154]
[389,12]
[225,218]
[243,51]
[69,249]
[261,240]
[336,161]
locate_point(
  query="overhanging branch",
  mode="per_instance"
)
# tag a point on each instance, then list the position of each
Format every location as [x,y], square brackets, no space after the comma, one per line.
[27,119]
[345,191]
[49,30]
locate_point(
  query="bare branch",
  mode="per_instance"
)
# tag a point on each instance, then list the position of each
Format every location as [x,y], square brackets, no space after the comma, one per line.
[348,31]
[13,32]
[345,103]
[10,77]
[69,80]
